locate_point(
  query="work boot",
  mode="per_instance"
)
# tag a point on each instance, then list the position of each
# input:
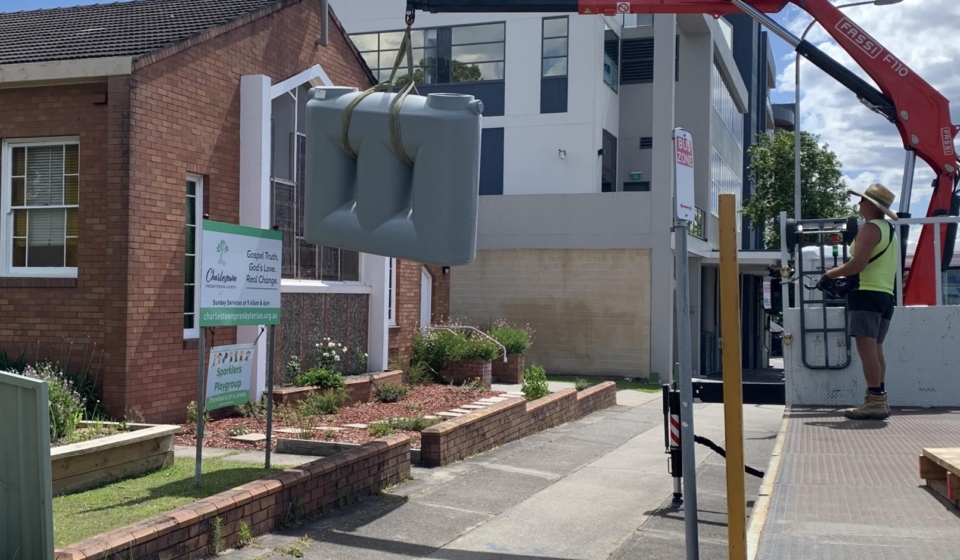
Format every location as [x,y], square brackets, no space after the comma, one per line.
[874,407]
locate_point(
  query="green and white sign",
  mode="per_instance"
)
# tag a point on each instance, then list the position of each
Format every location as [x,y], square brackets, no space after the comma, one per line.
[228,375]
[240,284]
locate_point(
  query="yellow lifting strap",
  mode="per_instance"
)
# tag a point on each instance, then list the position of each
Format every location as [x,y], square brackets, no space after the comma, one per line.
[406,49]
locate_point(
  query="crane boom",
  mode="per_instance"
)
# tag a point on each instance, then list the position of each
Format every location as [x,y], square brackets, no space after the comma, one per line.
[920,112]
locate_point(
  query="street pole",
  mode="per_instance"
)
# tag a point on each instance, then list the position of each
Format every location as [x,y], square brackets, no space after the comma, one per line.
[271,337]
[686,390]
[201,409]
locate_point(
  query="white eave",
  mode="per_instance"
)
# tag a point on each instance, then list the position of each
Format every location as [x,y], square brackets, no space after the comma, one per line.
[64,71]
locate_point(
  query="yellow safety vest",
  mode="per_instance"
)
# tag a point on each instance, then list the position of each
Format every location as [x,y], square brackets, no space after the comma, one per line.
[881,274]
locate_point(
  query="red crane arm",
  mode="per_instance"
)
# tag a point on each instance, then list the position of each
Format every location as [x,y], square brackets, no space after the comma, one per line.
[920,112]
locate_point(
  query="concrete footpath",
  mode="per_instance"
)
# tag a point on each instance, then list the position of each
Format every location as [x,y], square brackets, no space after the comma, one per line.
[597,488]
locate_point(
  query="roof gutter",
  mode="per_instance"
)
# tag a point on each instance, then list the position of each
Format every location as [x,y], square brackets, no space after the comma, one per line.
[64,71]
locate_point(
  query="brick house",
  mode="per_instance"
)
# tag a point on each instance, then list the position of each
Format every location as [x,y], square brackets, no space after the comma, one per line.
[122,126]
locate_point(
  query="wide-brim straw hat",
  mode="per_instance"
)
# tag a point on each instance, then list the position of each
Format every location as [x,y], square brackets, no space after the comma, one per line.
[880,196]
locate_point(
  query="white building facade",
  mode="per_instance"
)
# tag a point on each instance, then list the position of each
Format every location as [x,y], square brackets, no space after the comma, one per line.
[575,221]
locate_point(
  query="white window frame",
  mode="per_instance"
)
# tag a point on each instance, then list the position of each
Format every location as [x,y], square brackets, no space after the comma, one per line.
[392,293]
[198,246]
[6,234]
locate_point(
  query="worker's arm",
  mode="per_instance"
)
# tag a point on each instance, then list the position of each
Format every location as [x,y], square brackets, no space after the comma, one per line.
[867,239]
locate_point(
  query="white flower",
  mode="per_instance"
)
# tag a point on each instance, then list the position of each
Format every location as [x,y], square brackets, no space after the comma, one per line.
[331,345]
[344,349]
[318,345]
[337,358]
[326,354]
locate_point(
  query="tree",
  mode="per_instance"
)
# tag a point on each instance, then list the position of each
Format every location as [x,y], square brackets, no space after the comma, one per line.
[459,72]
[822,186]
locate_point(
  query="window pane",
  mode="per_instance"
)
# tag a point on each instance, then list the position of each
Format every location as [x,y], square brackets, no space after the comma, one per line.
[45,176]
[188,270]
[188,321]
[72,252]
[555,47]
[191,211]
[73,222]
[331,263]
[555,66]
[308,262]
[477,53]
[477,72]
[391,40]
[188,301]
[477,34]
[350,260]
[556,27]
[20,223]
[19,161]
[71,190]
[372,59]
[20,252]
[191,188]
[424,38]
[191,239]
[18,196]
[46,228]
[72,163]
[365,42]
[387,58]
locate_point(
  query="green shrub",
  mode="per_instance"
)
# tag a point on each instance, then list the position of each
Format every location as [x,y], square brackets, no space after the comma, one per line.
[515,340]
[419,373]
[389,392]
[380,429]
[437,349]
[415,424]
[581,384]
[66,404]
[321,377]
[535,383]
[327,402]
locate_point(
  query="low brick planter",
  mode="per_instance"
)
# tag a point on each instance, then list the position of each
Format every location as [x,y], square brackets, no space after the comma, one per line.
[509,372]
[359,388]
[462,372]
[513,419]
[303,492]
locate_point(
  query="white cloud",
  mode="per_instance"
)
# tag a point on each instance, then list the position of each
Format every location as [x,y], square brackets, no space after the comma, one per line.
[918,32]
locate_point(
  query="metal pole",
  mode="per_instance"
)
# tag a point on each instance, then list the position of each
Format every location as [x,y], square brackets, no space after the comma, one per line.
[686,390]
[201,409]
[797,201]
[271,333]
[732,379]
[906,190]
[324,23]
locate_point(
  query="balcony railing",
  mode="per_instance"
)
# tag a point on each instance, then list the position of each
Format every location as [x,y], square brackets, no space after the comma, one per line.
[697,228]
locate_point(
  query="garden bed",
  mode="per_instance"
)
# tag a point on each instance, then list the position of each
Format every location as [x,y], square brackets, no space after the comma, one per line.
[138,449]
[422,400]
[358,386]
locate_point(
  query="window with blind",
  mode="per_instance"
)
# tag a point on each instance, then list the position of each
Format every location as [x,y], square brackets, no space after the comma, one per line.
[41,194]
[193,231]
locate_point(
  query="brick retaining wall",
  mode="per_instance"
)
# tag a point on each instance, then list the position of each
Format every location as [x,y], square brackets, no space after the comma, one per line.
[359,389]
[461,372]
[495,425]
[310,489]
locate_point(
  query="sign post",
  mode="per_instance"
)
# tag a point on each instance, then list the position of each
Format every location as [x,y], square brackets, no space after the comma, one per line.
[240,285]
[684,195]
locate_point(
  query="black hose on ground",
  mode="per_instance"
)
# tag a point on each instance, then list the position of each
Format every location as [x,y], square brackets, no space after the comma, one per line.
[704,441]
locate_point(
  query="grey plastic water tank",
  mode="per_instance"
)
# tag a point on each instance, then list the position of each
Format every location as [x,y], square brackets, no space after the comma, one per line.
[376,203]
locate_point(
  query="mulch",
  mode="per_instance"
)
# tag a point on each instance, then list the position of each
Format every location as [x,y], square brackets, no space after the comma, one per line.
[422,400]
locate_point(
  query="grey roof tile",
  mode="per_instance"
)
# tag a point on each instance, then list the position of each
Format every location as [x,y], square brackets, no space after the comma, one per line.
[132,28]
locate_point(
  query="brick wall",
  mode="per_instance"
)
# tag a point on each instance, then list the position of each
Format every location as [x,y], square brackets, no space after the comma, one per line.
[408,306]
[495,425]
[468,371]
[589,308]
[89,311]
[511,371]
[185,118]
[316,488]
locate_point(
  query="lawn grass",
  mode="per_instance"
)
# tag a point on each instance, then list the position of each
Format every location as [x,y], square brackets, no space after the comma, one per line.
[79,516]
[621,384]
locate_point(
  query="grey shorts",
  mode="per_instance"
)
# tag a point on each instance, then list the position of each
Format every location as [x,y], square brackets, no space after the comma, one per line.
[869,314]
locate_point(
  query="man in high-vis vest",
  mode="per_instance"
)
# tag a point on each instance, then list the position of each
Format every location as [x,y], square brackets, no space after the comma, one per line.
[873,269]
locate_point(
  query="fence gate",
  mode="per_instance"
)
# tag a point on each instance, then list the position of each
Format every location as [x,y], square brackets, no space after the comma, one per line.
[26,493]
